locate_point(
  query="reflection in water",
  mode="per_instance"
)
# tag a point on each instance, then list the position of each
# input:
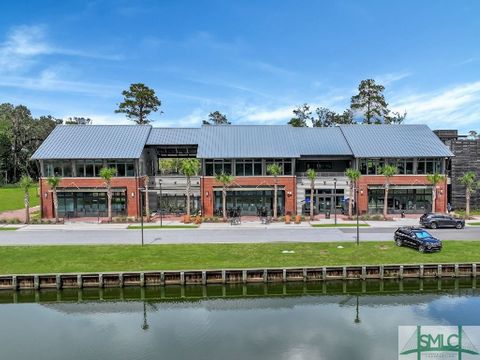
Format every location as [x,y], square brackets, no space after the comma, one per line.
[345,320]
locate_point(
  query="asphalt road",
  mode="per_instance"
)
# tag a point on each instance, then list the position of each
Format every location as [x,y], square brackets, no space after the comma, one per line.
[230,235]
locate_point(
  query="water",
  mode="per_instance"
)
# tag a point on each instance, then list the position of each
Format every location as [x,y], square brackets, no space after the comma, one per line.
[345,320]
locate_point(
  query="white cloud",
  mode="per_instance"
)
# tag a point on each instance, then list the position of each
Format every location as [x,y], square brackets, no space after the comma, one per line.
[387,79]
[454,107]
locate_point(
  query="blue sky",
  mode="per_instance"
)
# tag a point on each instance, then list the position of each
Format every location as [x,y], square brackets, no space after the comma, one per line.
[252,60]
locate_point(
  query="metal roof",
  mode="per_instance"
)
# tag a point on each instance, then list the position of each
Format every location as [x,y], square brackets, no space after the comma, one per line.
[173,136]
[246,141]
[320,141]
[394,141]
[94,142]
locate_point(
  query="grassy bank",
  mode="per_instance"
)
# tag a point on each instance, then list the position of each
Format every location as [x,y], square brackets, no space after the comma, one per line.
[474,223]
[339,225]
[146,227]
[11,198]
[84,258]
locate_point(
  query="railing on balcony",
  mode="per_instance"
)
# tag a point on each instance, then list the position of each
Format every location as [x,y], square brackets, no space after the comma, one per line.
[323,174]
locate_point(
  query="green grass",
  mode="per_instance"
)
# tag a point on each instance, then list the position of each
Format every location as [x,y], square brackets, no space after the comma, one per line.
[11,198]
[339,225]
[146,227]
[474,223]
[85,258]
[6,228]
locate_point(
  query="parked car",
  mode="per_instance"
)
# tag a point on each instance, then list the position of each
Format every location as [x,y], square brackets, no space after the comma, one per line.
[434,221]
[417,238]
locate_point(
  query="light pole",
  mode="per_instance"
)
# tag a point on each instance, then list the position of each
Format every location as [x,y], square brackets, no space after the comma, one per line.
[335,200]
[141,211]
[356,210]
[357,317]
[161,211]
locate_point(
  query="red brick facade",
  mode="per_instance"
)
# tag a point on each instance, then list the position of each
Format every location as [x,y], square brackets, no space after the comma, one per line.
[131,184]
[412,180]
[289,184]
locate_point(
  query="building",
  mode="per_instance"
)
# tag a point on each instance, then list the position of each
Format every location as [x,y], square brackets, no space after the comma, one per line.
[467,158]
[78,152]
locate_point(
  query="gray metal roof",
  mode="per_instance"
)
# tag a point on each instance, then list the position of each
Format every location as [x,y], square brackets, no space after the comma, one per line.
[394,141]
[94,142]
[246,141]
[173,136]
[320,141]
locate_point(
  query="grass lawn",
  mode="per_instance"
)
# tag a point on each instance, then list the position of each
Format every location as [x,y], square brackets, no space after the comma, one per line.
[146,227]
[339,225]
[474,223]
[11,198]
[6,228]
[84,258]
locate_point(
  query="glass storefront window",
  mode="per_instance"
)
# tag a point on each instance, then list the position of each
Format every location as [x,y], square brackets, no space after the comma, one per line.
[90,204]
[412,200]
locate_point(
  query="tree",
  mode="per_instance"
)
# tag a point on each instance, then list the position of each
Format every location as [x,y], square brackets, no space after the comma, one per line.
[387,171]
[469,180]
[139,101]
[275,170]
[225,180]
[189,168]
[325,117]
[302,115]
[353,175]
[312,175]
[434,179]
[107,174]
[370,102]
[25,184]
[395,118]
[146,185]
[473,135]
[53,182]
[216,118]
[78,121]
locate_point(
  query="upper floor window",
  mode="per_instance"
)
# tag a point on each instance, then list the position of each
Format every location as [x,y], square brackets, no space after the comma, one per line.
[217,166]
[285,164]
[248,167]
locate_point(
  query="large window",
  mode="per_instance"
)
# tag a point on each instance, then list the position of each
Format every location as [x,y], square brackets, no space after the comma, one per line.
[88,168]
[90,204]
[408,200]
[285,164]
[429,166]
[405,166]
[248,167]
[124,167]
[61,168]
[217,166]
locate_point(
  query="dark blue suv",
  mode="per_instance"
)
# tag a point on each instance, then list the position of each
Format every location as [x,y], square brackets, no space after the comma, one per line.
[417,238]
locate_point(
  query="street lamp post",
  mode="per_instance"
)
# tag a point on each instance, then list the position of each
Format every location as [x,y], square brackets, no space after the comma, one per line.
[335,199]
[356,211]
[141,211]
[161,211]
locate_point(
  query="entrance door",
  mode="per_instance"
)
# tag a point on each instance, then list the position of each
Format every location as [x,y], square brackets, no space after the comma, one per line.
[325,204]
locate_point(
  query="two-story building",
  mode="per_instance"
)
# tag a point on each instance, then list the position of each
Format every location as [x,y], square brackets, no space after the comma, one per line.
[78,152]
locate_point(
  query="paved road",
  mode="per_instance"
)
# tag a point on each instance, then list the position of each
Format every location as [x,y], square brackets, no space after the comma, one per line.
[228,235]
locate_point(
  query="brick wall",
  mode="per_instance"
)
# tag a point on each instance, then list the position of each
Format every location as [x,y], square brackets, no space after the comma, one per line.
[207,184]
[131,184]
[412,180]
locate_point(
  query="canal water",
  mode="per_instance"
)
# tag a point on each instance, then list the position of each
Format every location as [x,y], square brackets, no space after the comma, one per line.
[337,320]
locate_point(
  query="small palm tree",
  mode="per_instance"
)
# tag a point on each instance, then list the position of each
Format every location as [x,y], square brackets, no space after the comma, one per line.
[225,180]
[107,174]
[353,175]
[469,180]
[434,179]
[387,171]
[274,170]
[146,184]
[189,168]
[53,182]
[312,175]
[25,184]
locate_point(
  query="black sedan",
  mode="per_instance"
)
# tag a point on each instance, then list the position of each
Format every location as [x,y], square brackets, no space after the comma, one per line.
[434,221]
[417,238]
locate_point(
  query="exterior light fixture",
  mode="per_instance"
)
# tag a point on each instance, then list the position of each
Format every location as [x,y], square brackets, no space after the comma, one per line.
[206,194]
[361,191]
[46,195]
[132,194]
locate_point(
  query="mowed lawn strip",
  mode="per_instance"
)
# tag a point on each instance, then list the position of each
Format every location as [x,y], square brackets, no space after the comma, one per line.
[105,258]
[339,225]
[146,227]
[11,198]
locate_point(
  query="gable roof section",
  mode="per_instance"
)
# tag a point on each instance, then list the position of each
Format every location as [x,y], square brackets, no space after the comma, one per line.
[320,141]
[173,136]
[246,141]
[394,141]
[94,142]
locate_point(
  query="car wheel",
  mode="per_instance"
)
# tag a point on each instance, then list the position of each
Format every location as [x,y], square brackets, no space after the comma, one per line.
[421,248]
[398,242]
[433,225]
[459,225]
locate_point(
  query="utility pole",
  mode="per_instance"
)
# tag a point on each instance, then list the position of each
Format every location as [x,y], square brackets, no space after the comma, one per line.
[141,212]
[335,199]
[356,208]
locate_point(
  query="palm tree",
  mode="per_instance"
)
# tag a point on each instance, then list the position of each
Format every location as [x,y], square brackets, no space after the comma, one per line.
[274,170]
[53,182]
[353,175]
[146,184]
[434,179]
[107,174]
[225,180]
[469,180]
[25,183]
[388,171]
[189,168]
[312,175]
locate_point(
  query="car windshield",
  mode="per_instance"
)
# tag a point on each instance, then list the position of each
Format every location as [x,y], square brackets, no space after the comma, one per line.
[422,234]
